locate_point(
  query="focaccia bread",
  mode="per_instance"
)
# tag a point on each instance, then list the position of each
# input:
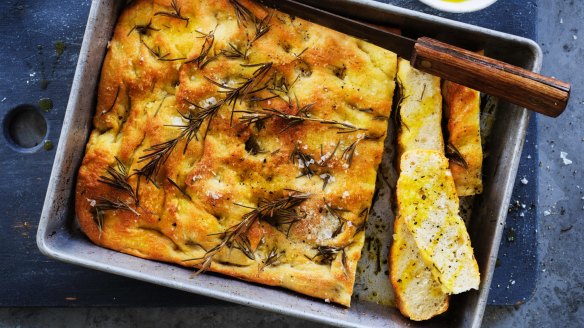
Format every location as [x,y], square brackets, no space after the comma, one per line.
[464,137]
[419,295]
[236,139]
[428,204]
[420,110]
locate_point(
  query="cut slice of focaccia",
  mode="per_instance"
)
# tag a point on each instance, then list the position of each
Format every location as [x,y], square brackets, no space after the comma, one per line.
[420,109]
[428,204]
[419,295]
[464,147]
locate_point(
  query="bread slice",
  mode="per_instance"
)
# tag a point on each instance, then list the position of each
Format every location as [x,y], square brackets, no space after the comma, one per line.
[418,295]
[428,204]
[420,109]
[464,137]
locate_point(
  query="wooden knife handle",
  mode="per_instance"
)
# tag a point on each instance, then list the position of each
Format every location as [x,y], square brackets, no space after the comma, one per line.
[533,91]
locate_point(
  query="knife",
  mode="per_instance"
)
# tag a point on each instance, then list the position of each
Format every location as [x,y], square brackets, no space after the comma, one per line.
[516,85]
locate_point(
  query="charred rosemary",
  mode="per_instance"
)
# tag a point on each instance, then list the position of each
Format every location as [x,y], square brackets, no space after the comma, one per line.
[455,156]
[143,29]
[326,254]
[304,161]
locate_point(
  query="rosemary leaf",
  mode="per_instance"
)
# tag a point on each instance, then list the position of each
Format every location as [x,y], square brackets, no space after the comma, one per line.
[173,14]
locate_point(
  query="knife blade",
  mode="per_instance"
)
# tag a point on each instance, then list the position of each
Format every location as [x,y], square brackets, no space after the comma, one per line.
[519,86]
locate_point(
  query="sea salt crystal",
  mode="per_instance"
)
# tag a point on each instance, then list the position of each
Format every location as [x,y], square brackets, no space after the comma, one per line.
[209,101]
[326,300]
[345,166]
[197,177]
[305,147]
[575,37]
[564,157]
[346,194]
[214,195]
[524,181]
[561,21]
[324,157]
[92,202]
[547,213]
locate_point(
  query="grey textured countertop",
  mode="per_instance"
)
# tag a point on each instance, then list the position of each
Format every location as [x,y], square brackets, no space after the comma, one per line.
[559,298]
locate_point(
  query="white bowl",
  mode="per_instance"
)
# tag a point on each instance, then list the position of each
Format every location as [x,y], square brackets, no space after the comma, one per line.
[463,6]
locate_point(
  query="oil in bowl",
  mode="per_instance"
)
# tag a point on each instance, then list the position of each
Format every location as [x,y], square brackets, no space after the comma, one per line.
[459,6]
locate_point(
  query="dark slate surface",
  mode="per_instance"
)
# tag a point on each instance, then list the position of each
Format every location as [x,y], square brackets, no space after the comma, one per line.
[41,42]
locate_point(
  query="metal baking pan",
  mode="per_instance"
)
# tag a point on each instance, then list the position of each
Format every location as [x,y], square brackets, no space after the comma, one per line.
[60,238]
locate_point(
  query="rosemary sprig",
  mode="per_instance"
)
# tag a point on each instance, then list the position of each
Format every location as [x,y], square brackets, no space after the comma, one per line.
[245,88]
[155,157]
[349,152]
[182,191]
[203,58]
[324,161]
[262,26]
[244,245]
[115,100]
[400,95]
[143,29]
[455,156]
[304,161]
[279,87]
[242,14]
[253,116]
[173,14]
[118,178]
[282,211]
[103,204]
[236,236]
[157,52]
[195,121]
[234,52]
[326,254]
[273,258]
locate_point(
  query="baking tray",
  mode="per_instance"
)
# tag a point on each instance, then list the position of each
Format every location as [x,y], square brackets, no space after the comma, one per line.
[59,237]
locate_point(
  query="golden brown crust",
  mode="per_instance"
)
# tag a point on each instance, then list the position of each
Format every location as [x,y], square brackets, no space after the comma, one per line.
[152,86]
[463,111]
